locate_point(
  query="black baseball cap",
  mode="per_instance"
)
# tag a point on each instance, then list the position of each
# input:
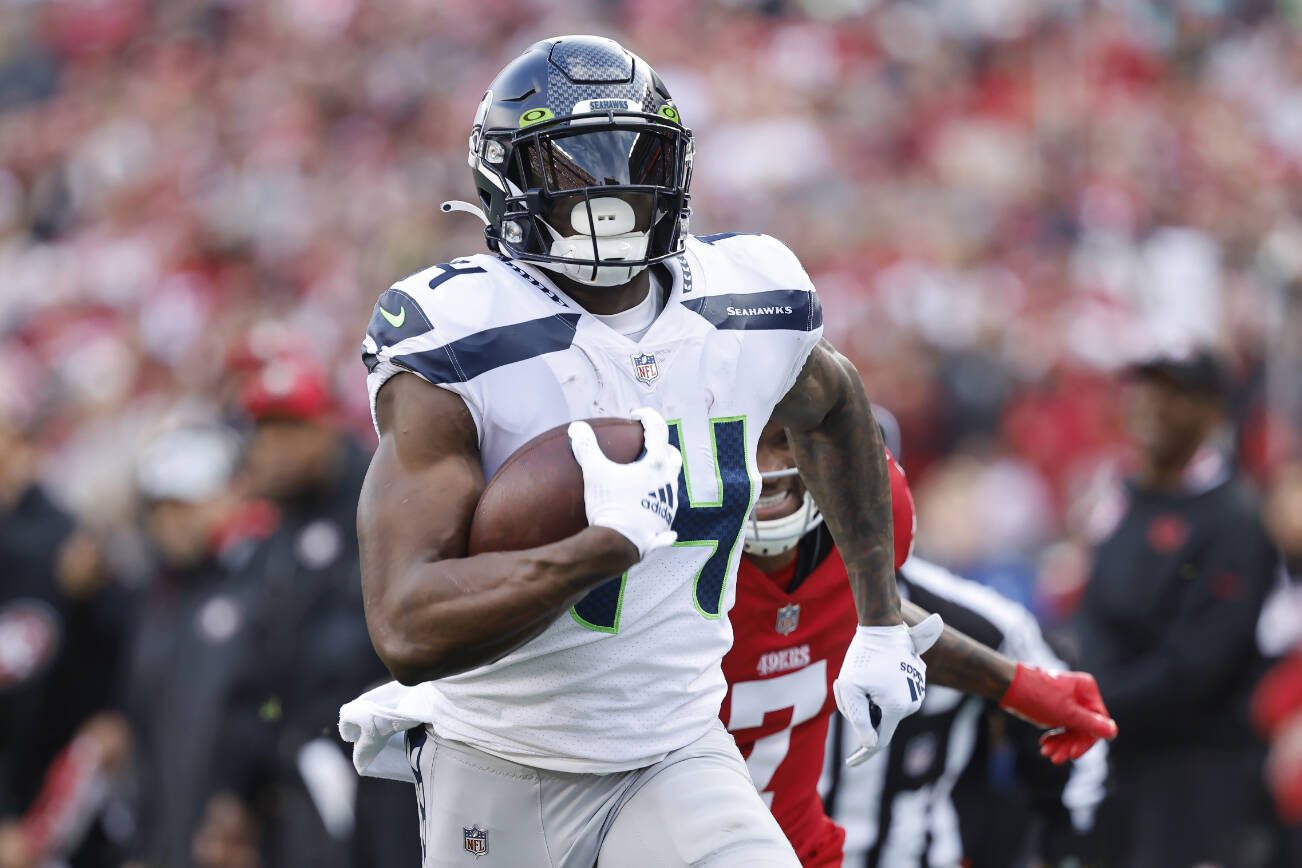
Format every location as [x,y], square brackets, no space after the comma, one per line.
[1197,369]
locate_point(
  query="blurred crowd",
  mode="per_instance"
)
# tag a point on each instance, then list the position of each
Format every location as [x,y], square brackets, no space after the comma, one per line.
[1003,204]
[187,718]
[1001,207]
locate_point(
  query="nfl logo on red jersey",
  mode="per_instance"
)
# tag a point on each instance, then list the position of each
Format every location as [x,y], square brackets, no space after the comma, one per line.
[788,619]
[476,840]
[645,368]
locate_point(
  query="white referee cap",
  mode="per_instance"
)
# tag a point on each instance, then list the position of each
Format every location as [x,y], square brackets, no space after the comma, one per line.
[189,464]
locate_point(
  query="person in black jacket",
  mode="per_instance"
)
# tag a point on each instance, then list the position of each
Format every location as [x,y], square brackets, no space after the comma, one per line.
[284,778]
[191,623]
[1167,628]
[62,630]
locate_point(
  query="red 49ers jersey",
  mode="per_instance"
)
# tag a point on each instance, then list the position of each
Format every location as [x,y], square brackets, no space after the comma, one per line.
[787,652]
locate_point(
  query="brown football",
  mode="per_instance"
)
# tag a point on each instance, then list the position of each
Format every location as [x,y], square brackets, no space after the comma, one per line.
[536,497]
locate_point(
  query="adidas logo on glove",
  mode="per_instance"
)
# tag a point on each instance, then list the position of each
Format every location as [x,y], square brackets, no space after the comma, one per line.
[917,684]
[660,502]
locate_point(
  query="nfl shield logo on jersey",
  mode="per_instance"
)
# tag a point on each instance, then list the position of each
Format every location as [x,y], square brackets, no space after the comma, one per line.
[476,840]
[788,619]
[645,368]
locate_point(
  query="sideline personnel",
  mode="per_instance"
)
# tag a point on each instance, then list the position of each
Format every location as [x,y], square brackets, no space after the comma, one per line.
[1167,628]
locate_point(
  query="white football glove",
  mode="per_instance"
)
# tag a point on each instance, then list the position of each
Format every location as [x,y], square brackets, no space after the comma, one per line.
[883,668]
[638,499]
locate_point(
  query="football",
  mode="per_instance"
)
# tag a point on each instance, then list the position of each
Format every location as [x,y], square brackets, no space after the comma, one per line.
[536,496]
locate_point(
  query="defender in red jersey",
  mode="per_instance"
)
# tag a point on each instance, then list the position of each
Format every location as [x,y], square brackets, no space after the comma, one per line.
[788,638]
[794,618]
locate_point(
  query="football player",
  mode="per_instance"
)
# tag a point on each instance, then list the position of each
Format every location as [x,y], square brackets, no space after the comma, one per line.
[794,617]
[572,690]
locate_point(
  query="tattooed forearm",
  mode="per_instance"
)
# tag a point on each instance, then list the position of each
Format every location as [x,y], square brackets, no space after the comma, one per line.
[960,662]
[841,458]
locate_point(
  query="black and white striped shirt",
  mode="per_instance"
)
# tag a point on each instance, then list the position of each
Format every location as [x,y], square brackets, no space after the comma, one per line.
[900,807]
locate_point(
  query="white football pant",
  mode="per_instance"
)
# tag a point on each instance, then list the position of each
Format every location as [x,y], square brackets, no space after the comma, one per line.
[695,807]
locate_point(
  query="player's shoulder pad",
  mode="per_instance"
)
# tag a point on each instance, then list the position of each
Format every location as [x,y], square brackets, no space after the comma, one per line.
[456,320]
[764,256]
[412,306]
[754,282]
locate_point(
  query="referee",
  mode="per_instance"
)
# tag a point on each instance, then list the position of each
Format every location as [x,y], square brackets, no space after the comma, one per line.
[1167,628]
[926,801]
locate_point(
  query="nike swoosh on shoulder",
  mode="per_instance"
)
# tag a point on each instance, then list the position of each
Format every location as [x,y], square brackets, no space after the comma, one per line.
[395,320]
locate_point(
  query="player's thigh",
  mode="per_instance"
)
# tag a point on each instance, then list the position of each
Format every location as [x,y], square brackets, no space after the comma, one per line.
[475,809]
[698,807]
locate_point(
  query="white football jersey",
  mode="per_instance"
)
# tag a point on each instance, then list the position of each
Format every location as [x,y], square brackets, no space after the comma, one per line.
[632,671]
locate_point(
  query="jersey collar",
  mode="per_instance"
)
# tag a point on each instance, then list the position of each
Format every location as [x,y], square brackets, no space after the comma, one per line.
[652,335]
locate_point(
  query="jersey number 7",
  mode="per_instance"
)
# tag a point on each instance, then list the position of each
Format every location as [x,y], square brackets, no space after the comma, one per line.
[803,691]
[714,525]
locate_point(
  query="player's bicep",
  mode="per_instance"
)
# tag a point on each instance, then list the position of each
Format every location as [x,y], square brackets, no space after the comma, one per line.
[823,383]
[423,483]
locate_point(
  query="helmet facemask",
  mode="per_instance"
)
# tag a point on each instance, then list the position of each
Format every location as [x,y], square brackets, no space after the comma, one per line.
[774,536]
[597,197]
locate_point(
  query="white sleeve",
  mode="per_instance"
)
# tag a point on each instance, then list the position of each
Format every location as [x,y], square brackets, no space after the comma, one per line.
[783,268]
[401,337]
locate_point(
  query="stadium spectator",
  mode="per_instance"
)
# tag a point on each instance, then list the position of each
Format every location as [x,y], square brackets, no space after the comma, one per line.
[177,178]
[184,643]
[1167,626]
[283,777]
[62,631]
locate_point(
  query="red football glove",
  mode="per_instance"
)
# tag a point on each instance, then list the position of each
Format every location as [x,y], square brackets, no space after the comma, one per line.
[1065,703]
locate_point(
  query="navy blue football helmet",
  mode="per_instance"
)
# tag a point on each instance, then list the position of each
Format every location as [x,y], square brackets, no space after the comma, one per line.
[581,161]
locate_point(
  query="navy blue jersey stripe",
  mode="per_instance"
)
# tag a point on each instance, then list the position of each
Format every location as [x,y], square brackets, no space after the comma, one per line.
[467,358]
[793,309]
[723,236]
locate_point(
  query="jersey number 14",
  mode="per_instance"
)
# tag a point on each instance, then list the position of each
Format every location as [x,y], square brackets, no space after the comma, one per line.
[714,525]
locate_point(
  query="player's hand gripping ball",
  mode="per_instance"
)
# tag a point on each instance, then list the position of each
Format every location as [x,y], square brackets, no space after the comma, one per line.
[541,495]
[638,499]
[536,496]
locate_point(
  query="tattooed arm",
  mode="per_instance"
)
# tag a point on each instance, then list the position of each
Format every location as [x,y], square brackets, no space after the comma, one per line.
[842,461]
[838,448]
[839,451]
[961,662]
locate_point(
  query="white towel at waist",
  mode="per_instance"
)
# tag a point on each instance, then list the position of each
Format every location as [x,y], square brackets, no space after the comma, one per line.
[376,722]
